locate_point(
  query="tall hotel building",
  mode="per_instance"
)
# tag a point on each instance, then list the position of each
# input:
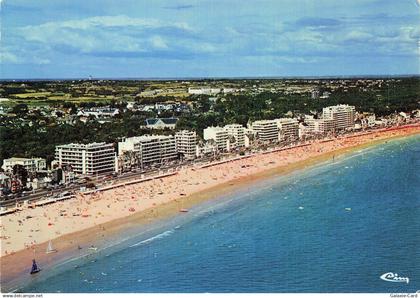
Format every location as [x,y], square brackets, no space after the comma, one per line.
[289,128]
[343,115]
[238,132]
[266,130]
[219,135]
[87,159]
[186,143]
[150,149]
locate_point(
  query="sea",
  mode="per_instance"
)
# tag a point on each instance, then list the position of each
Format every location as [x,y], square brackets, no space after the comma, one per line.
[333,227]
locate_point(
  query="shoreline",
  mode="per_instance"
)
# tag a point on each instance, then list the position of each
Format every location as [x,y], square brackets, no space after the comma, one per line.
[15,266]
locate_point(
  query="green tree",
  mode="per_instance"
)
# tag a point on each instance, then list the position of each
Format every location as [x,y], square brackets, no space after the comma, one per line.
[20,109]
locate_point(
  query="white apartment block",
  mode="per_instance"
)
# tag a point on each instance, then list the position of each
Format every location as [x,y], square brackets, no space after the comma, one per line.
[288,128]
[206,149]
[30,164]
[343,115]
[150,149]
[186,142]
[236,131]
[219,135]
[321,126]
[87,159]
[266,130]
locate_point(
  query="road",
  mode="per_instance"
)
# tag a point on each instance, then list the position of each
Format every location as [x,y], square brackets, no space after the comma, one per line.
[98,180]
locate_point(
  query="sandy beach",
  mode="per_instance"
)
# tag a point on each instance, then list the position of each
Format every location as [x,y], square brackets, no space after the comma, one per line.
[87,217]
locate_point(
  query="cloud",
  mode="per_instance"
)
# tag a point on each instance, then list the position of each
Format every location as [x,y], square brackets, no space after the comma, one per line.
[179,7]
[111,34]
[317,22]
[203,37]
[7,57]
[21,57]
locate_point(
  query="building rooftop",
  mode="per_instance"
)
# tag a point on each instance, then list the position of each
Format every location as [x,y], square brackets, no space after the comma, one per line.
[153,121]
[146,138]
[90,145]
[22,158]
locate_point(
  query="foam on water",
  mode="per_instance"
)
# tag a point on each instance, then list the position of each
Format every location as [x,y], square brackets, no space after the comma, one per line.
[158,236]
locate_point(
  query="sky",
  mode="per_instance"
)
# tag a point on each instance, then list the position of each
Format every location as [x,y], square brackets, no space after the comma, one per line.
[208,38]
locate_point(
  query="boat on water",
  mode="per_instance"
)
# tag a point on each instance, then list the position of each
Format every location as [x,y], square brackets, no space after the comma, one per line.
[50,248]
[183,210]
[35,268]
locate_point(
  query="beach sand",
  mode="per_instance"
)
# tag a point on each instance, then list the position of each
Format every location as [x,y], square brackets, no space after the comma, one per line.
[88,218]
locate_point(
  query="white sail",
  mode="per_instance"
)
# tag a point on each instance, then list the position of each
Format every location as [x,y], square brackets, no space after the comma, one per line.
[50,248]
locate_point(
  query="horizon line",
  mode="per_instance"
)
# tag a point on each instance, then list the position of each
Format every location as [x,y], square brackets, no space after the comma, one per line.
[192,78]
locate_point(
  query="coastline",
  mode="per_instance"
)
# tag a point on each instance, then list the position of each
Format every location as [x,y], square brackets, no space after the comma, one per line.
[15,265]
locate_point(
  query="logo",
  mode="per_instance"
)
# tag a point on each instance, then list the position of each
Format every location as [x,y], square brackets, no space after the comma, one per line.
[393,277]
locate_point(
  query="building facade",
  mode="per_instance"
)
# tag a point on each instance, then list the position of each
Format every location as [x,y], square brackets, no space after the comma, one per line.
[89,159]
[218,135]
[186,143]
[161,123]
[204,90]
[236,131]
[266,130]
[288,128]
[319,126]
[30,164]
[343,116]
[149,149]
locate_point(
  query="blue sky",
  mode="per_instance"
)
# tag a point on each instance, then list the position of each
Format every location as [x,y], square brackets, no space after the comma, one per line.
[223,38]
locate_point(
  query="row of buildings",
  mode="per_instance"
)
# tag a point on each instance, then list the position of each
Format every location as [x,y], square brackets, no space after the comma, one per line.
[150,150]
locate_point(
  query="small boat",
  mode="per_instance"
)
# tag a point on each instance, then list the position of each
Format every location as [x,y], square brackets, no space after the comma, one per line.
[301,208]
[35,268]
[94,248]
[183,210]
[50,248]
[348,209]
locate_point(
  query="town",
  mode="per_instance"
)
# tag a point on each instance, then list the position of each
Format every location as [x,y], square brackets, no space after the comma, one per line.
[168,128]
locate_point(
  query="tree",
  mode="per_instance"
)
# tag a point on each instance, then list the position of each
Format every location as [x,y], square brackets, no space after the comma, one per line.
[20,109]
[21,173]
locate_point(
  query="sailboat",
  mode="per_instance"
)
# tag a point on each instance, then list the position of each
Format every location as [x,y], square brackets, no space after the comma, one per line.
[35,268]
[50,248]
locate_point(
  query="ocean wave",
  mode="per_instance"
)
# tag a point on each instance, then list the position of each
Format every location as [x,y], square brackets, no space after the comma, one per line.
[158,236]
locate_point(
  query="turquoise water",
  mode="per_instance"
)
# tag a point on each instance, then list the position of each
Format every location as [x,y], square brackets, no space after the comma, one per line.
[336,227]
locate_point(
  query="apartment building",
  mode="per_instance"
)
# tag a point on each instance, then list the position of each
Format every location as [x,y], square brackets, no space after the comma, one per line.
[236,131]
[319,126]
[218,135]
[149,149]
[186,143]
[288,128]
[343,116]
[30,164]
[266,130]
[87,159]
